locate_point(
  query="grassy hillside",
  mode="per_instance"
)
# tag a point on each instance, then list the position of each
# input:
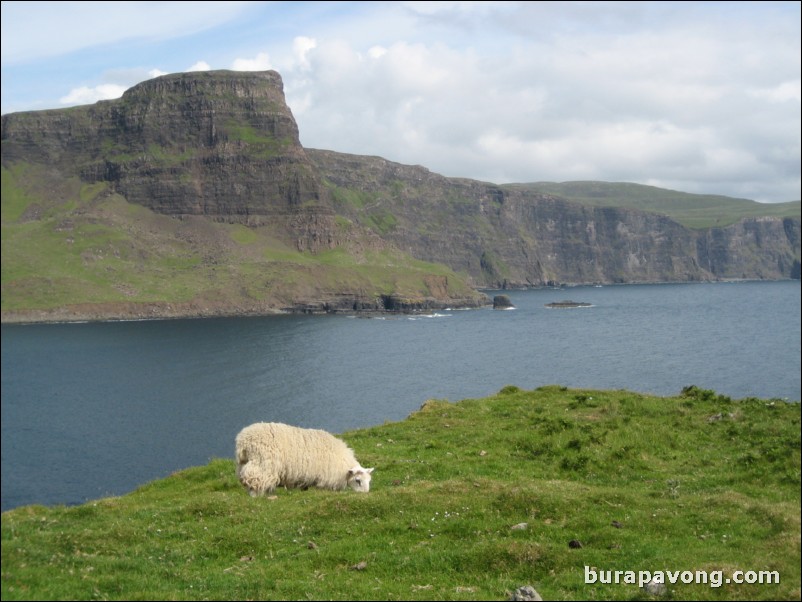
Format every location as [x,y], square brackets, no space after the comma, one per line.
[469,500]
[67,243]
[692,210]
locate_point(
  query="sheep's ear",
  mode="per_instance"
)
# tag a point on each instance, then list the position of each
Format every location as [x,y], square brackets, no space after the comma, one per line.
[368,470]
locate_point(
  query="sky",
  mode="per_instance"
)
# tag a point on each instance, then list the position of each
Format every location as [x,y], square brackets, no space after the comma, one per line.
[701,97]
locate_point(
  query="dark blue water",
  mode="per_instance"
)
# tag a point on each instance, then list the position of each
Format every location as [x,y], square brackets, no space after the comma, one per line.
[90,410]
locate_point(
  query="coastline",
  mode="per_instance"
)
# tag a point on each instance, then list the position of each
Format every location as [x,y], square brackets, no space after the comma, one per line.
[129,311]
[334,304]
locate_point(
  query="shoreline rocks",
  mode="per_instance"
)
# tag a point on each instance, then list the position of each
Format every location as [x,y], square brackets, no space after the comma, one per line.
[502,302]
[567,304]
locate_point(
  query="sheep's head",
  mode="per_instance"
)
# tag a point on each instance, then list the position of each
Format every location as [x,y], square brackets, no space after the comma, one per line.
[359,479]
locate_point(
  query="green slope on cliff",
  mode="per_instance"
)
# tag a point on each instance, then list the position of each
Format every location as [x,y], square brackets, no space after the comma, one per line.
[72,250]
[696,211]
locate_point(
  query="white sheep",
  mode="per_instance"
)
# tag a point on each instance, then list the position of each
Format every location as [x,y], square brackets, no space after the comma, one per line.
[271,454]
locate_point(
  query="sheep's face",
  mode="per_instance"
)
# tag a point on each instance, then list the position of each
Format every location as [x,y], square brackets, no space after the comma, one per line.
[359,479]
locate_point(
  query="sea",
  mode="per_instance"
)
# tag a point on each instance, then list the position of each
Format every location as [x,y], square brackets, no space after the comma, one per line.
[92,410]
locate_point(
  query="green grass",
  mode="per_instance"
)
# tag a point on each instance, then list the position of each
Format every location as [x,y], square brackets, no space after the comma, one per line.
[167,157]
[695,482]
[82,246]
[69,259]
[369,208]
[698,211]
[263,144]
[15,200]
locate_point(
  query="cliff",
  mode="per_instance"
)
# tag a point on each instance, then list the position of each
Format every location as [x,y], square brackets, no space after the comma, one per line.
[516,236]
[222,144]
[235,216]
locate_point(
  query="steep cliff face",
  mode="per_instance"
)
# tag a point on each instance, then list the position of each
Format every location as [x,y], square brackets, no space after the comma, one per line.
[220,144]
[762,248]
[574,243]
[510,236]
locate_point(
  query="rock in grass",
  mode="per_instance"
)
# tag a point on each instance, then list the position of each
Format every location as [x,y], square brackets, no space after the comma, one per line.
[526,592]
[654,588]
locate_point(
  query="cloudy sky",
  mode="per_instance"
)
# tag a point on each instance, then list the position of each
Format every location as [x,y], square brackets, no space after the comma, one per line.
[694,96]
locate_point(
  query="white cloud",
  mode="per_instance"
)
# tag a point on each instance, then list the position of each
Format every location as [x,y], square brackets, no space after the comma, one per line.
[261,62]
[376,52]
[301,47]
[784,92]
[86,95]
[594,102]
[200,66]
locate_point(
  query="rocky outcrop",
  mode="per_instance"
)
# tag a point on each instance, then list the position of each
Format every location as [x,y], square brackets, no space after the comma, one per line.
[567,304]
[502,302]
[349,303]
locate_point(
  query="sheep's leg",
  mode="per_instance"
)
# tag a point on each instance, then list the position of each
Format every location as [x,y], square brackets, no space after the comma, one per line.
[256,479]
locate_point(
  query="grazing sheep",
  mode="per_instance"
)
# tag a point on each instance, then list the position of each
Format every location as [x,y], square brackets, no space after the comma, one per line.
[271,454]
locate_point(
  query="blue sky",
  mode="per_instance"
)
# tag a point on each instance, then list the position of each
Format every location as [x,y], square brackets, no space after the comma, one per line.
[694,96]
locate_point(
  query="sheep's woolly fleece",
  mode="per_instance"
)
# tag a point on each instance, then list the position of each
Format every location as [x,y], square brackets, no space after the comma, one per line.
[271,454]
